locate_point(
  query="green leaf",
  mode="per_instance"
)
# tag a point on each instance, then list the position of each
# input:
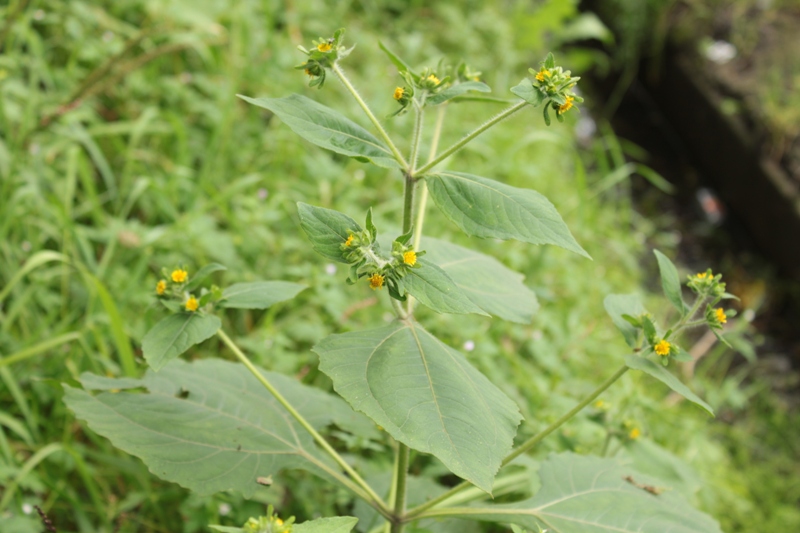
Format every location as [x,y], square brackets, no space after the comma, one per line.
[401,65]
[176,334]
[338,524]
[488,208]
[457,90]
[670,282]
[618,305]
[585,494]
[490,285]
[550,61]
[210,425]
[425,394]
[636,362]
[327,128]
[433,287]
[326,229]
[528,92]
[202,274]
[259,294]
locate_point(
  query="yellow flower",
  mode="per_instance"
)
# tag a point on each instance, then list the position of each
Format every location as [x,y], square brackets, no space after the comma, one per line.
[161,287]
[720,314]
[410,258]
[324,47]
[566,106]
[634,434]
[398,93]
[433,79]
[192,304]
[279,521]
[376,281]
[702,275]
[308,72]
[600,404]
[349,240]
[542,73]
[663,347]
[179,275]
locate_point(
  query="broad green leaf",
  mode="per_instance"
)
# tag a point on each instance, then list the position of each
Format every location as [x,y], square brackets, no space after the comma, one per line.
[618,305]
[457,90]
[95,382]
[196,278]
[337,524]
[585,494]
[210,425]
[259,294]
[636,362]
[528,92]
[176,334]
[488,208]
[490,285]
[433,287]
[670,282]
[425,394]
[327,128]
[651,459]
[326,229]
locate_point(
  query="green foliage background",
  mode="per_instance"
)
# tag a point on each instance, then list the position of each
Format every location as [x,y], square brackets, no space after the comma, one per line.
[158,163]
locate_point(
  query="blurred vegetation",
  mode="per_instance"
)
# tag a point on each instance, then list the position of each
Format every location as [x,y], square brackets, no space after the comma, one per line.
[124,149]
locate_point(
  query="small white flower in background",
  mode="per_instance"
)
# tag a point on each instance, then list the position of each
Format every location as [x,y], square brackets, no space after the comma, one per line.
[27,508]
[469,346]
[224,509]
[330,269]
[262,194]
[720,52]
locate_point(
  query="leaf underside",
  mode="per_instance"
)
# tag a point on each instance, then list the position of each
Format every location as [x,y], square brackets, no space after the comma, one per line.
[486,208]
[175,334]
[326,229]
[433,287]
[426,395]
[210,425]
[624,304]
[585,494]
[259,294]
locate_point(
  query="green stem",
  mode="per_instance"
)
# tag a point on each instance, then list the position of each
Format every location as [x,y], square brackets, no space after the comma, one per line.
[408,202]
[469,137]
[399,487]
[423,191]
[346,82]
[416,137]
[361,488]
[525,446]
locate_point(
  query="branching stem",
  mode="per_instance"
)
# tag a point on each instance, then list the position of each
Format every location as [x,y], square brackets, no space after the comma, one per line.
[469,137]
[375,122]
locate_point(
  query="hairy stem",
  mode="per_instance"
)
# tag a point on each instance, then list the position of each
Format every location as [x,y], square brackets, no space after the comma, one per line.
[416,137]
[524,447]
[361,487]
[469,137]
[375,122]
[399,486]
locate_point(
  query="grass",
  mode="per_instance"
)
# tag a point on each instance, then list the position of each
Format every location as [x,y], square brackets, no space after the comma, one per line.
[147,159]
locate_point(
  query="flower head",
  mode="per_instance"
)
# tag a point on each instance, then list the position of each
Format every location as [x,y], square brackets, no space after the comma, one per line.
[662,348]
[161,287]
[192,304]
[540,76]
[398,93]
[324,47]
[566,106]
[349,240]
[702,275]
[634,434]
[410,258]
[433,79]
[376,281]
[179,275]
[719,313]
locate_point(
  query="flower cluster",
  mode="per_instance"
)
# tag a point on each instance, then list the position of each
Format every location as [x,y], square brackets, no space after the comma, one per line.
[268,524]
[554,87]
[322,56]
[430,82]
[174,290]
[363,252]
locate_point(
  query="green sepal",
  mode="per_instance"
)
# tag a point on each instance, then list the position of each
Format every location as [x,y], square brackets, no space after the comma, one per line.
[546,115]
[405,237]
[371,226]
